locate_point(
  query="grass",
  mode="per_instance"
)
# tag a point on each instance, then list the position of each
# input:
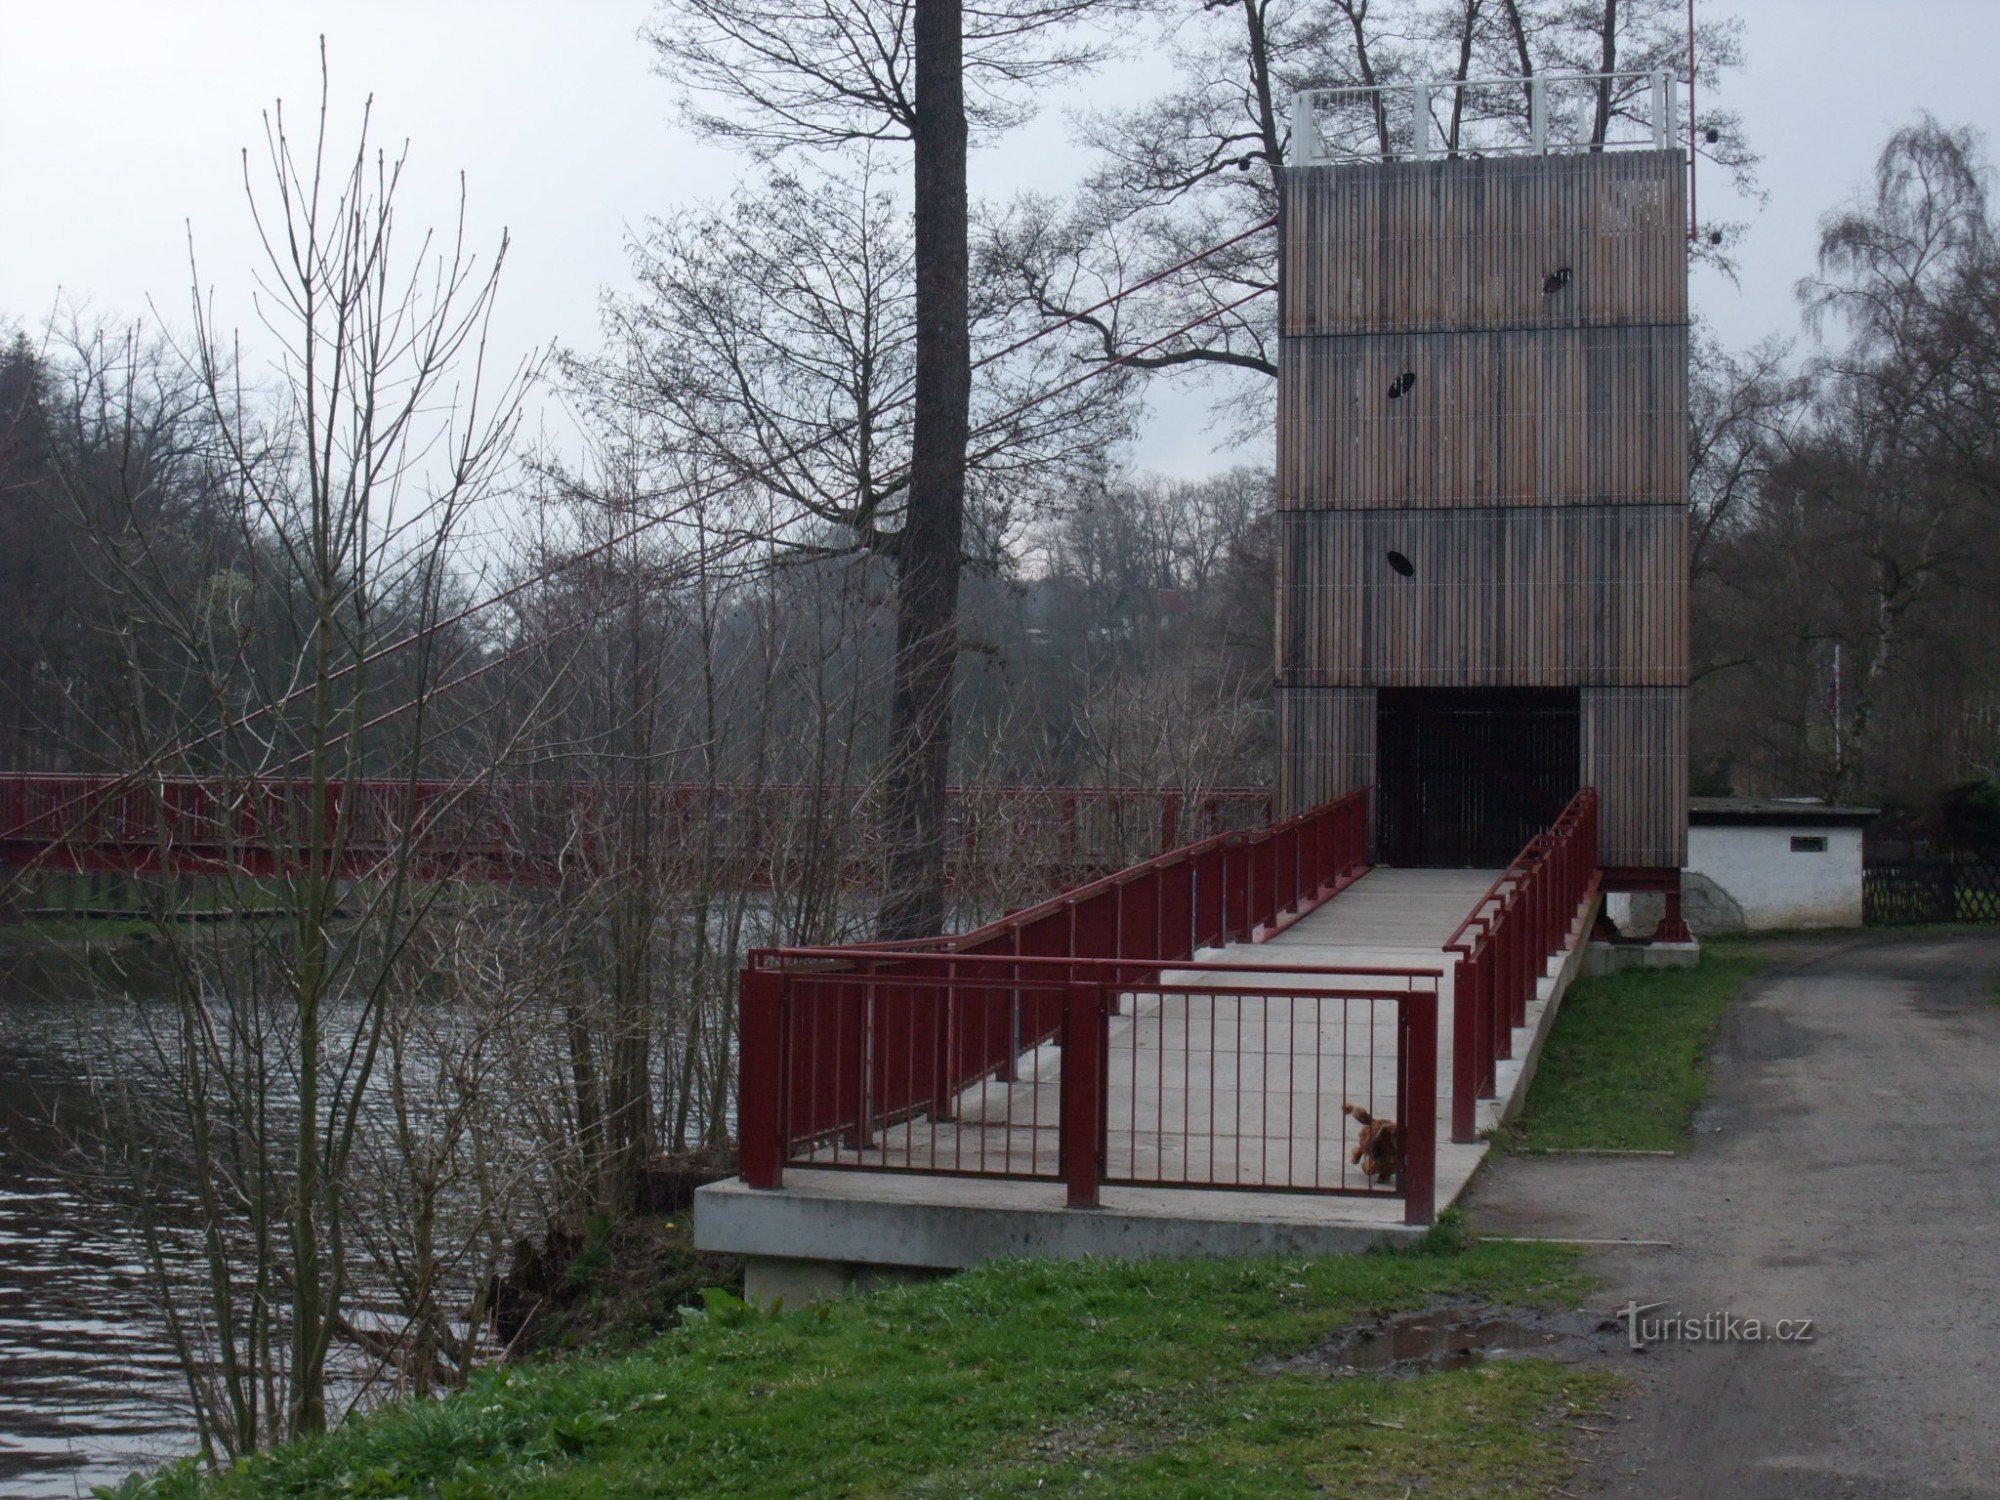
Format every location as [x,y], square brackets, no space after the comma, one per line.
[628,1282]
[1023,1377]
[1625,1065]
[77,929]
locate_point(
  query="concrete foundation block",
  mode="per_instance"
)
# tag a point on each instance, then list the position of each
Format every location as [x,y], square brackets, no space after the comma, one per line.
[825,1232]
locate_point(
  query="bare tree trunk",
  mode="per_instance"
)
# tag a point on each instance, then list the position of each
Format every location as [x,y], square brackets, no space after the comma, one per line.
[934,526]
[1607,63]
[1259,49]
[1468,31]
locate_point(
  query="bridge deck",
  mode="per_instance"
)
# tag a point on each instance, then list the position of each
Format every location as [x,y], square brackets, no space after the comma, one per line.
[1198,1090]
[1172,1079]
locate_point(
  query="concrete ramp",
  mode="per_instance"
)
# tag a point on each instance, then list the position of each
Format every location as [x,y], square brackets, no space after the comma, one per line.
[830,1228]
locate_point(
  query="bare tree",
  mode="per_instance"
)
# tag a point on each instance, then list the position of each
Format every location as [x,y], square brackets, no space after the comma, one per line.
[1848,594]
[925,71]
[1742,415]
[346,484]
[1199,166]
[766,355]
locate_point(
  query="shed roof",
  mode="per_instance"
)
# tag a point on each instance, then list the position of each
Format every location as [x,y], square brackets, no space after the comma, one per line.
[1776,811]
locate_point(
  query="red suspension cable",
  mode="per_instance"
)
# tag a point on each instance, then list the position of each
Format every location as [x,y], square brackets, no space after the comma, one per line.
[598,549]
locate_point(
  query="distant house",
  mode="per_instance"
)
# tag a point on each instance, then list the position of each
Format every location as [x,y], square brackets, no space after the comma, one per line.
[1758,863]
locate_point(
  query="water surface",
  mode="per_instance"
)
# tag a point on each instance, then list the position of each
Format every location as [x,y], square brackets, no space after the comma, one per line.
[89,1389]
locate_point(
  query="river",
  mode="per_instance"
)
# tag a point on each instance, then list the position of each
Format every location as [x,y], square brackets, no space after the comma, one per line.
[89,1389]
[89,1385]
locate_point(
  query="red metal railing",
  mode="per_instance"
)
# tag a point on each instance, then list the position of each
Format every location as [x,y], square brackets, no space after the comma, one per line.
[1503,947]
[518,829]
[1082,1041]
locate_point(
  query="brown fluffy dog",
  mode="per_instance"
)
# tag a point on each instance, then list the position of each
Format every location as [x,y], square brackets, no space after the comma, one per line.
[1379,1152]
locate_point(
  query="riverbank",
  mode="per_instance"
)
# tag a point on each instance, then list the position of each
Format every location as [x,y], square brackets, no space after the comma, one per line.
[1134,1379]
[1139,1379]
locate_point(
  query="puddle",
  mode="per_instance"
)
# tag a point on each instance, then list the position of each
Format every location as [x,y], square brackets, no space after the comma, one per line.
[1418,1343]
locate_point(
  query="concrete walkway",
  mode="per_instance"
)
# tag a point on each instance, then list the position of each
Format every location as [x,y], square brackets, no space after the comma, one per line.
[1227,1086]
[1397,918]
[1232,1085]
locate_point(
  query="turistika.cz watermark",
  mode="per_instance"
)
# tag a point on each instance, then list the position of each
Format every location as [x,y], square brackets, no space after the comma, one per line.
[1708,1328]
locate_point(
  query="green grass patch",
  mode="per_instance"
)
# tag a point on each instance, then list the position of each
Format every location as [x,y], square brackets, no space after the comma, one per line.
[1625,1065]
[1017,1378]
[627,1284]
[78,929]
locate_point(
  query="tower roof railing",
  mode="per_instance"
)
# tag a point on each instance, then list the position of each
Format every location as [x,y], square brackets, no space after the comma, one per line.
[1538,116]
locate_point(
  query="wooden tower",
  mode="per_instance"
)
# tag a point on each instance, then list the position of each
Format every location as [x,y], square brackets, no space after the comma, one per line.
[1482,486]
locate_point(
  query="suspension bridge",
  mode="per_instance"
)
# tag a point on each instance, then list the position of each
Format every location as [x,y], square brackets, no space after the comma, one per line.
[744,834]
[1259,1038]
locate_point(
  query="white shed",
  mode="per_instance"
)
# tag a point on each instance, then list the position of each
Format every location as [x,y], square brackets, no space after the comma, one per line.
[1758,863]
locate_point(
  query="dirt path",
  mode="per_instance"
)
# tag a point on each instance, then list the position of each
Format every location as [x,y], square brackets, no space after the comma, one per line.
[1847,1170]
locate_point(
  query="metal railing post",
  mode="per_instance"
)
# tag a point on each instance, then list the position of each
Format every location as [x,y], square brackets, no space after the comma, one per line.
[1465,1061]
[1306,145]
[1485,989]
[760,1092]
[1416,1103]
[1082,1092]
[1236,891]
[944,1095]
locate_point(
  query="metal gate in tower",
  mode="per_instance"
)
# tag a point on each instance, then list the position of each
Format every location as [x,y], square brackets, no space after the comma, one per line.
[1466,776]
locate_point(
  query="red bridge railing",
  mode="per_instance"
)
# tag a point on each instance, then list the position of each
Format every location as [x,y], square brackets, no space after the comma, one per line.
[1081,1041]
[1529,914]
[517,830]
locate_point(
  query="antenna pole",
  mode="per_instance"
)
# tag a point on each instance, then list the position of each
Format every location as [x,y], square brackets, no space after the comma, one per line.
[1694,129]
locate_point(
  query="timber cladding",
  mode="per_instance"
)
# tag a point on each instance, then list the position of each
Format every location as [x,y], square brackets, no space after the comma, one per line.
[1635,754]
[1326,743]
[1555,596]
[1566,416]
[1482,487]
[1482,243]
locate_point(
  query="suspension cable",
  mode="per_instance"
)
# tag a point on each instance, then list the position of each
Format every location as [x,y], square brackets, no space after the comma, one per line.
[622,600]
[598,549]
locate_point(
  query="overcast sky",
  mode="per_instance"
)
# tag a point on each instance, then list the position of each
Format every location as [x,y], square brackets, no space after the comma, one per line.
[121,127]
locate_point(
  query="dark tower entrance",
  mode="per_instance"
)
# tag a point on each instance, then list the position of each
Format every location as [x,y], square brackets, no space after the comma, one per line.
[1466,776]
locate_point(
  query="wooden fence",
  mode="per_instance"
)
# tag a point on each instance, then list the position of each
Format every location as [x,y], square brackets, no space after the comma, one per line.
[1907,892]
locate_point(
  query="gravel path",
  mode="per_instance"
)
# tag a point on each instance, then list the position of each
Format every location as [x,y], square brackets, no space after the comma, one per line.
[1847,1170]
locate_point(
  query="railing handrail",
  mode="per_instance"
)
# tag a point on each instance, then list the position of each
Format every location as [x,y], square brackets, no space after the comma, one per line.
[1522,867]
[90,819]
[1504,944]
[905,983]
[1499,80]
[954,942]
[1662,122]
[1016,960]
[1137,930]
